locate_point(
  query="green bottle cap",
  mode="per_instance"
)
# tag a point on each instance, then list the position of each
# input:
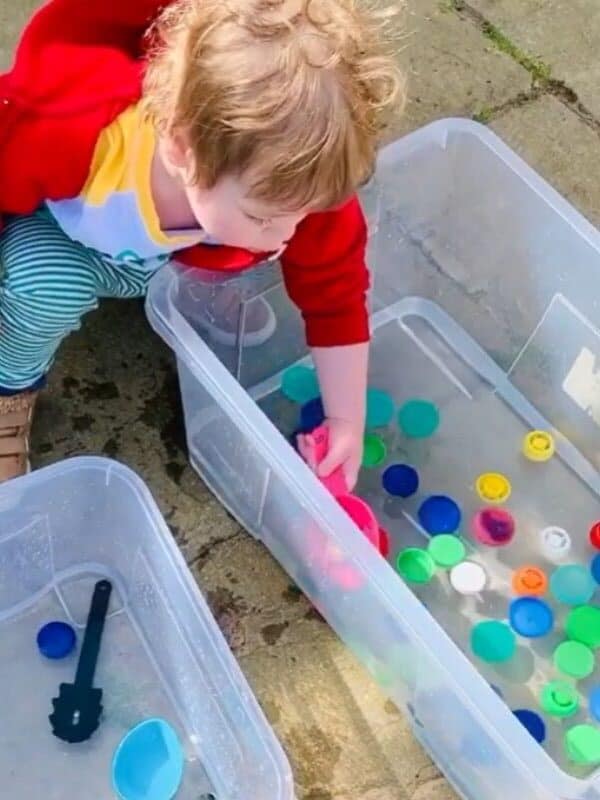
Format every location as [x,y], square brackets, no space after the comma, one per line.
[574,659]
[583,744]
[418,419]
[447,550]
[374,451]
[493,641]
[559,699]
[415,565]
[380,408]
[299,384]
[583,625]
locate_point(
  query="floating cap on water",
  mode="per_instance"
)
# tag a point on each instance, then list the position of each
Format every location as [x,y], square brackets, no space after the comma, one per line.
[374,451]
[583,625]
[594,535]
[559,699]
[555,543]
[446,550]
[582,744]
[493,487]
[400,480]
[56,640]
[439,514]
[299,384]
[312,414]
[574,659]
[531,617]
[493,641]
[533,722]
[539,446]
[594,703]
[415,565]
[494,527]
[595,568]
[418,419]
[572,584]
[380,408]
[468,578]
[530,581]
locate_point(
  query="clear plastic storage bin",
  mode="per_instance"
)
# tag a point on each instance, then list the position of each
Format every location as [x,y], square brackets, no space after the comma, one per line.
[486,300]
[162,654]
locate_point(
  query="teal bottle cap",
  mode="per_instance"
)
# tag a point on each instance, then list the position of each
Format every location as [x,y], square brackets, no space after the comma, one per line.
[493,641]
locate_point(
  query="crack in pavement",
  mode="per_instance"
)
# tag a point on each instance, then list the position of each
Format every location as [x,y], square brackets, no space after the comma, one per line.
[542,82]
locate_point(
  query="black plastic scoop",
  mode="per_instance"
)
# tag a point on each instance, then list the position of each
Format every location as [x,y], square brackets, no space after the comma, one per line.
[78,707]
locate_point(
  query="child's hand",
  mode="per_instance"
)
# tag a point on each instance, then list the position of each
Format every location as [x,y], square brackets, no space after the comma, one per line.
[345,450]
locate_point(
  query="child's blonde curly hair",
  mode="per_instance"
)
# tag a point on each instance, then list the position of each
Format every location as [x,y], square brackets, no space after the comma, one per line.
[293,92]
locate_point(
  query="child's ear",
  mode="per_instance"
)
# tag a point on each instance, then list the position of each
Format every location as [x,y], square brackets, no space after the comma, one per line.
[177,154]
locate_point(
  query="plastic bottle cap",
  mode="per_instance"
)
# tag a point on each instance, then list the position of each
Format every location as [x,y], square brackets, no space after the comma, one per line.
[559,699]
[583,744]
[56,640]
[595,535]
[493,641]
[595,568]
[583,625]
[374,451]
[380,408]
[494,527]
[446,550]
[299,384]
[439,514]
[531,617]
[468,578]
[400,480]
[533,722]
[594,703]
[418,419]
[539,446]
[572,584]
[574,659]
[415,565]
[555,543]
[312,414]
[530,580]
[493,487]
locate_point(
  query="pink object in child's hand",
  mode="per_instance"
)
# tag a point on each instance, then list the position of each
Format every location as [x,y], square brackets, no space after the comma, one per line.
[313,448]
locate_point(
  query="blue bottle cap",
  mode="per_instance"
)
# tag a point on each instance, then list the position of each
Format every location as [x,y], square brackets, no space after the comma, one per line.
[312,414]
[439,514]
[400,480]
[56,640]
[531,617]
[533,722]
[595,568]
[594,703]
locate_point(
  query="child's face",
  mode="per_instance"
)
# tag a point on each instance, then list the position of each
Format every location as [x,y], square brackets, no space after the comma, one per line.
[232,217]
[226,211]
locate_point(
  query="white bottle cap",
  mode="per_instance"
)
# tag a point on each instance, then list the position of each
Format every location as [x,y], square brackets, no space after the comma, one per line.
[468,578]
[555,543]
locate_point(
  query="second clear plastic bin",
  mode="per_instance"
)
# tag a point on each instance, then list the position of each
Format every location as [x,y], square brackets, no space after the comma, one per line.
[162,655]
[486,300]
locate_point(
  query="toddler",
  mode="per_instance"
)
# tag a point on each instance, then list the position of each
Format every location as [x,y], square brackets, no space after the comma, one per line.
[221,132]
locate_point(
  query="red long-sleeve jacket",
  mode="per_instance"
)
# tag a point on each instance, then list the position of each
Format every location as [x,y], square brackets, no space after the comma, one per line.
[79,64]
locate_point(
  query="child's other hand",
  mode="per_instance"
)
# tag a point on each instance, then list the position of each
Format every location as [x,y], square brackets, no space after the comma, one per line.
[345,450]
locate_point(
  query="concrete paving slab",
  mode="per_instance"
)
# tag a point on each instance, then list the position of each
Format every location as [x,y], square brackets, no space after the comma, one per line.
[564,34]
[452,70]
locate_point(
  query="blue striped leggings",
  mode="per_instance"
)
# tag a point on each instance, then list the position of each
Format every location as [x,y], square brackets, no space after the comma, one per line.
[47,284]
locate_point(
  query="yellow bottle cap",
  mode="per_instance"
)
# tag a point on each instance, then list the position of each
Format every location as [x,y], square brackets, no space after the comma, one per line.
[493,487]
[539,446]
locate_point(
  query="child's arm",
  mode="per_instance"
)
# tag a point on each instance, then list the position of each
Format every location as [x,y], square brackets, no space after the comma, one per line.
[342,373]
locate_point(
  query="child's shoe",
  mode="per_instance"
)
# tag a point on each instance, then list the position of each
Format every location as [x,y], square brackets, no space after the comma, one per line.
[16,415]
